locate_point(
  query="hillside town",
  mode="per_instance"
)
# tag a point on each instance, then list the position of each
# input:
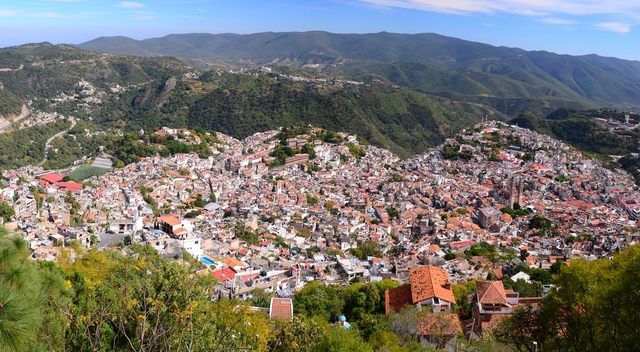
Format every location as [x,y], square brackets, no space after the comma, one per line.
[346,211]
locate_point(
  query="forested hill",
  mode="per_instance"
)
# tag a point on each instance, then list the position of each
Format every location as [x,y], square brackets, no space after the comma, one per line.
[445,65]
[242,104]
[130,93]
[42,72]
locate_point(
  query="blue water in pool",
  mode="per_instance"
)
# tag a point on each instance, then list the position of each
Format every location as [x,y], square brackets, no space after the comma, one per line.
[207,260]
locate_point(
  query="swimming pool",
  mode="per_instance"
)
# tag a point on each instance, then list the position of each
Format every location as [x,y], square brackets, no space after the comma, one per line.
[207,261]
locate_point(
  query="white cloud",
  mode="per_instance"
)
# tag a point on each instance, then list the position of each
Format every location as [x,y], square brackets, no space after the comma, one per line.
[145,18]
[454,6]
[145,15]
[7,13]
[130,5]
[47,15]
[552,20]
[614,27]
[523,7]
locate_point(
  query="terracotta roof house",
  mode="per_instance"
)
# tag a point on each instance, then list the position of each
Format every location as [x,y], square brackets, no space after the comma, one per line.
[281,308]
[492,297]
[52,178]
[70,186]
[428,286]
[224,274]
[169,224]
[494,304]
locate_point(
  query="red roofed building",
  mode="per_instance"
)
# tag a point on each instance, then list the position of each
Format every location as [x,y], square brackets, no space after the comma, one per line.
[51,178]
[281,308]
[70,186]
[495,303]
[428,286]
[224,274]
[169,224]
[492,297]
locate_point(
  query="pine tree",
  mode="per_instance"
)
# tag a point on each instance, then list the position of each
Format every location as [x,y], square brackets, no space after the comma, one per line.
[20,302]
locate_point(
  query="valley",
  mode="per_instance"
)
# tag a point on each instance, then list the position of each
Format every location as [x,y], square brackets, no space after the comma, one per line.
[278,190]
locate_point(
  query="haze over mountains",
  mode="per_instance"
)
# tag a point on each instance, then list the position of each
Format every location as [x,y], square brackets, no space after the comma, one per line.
[428,62]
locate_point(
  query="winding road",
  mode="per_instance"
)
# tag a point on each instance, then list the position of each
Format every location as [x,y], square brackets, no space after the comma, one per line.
[48,143]
[24,113]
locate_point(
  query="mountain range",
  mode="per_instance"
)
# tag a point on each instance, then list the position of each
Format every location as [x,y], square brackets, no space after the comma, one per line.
[402,92]
[427,62]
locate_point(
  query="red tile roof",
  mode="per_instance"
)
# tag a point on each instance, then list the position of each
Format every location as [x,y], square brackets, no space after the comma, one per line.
[281,308]
[397,298]
[492,292]
[426,282]
[429,282]
[71,186]
[170,220]
[52,178]
[233,262]
[224,274]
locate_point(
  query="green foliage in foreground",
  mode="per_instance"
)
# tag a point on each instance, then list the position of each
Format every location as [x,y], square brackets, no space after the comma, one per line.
[594,308]
[134,300]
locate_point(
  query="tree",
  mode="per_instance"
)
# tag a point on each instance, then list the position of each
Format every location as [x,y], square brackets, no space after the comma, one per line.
[297,335]
[522,328]
[315,299]
[328,205]
[147,303]
[540,223]
[312,200]
[360,299]
[393,212]
[589,310]
[524,254]
[20,301]
[540,275]
[193,214]
[338,339]
[557,267]
[199,202]
[370,249]
[6,211]
[593,303]
[450,255]
[524,288]
[261,298]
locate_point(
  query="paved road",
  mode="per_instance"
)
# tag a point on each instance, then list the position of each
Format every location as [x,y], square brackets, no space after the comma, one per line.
[46,145]
[24,113]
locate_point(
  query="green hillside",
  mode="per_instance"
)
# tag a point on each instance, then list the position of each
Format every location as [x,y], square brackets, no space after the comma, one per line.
[403,121]
[107,92]
[44,71]
[451,64]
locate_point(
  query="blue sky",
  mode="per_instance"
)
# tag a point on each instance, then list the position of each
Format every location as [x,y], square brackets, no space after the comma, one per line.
[575,27]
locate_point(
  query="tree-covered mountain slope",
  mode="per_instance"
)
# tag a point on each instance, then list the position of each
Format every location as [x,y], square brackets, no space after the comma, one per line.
[466,67]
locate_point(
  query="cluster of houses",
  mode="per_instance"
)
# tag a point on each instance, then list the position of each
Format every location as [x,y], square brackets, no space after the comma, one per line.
[336,217]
